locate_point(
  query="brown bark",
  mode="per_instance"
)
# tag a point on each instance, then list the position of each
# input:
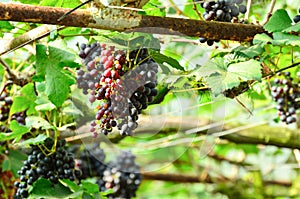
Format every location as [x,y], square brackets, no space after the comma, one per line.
[150,24]
[179,178]
[175,178]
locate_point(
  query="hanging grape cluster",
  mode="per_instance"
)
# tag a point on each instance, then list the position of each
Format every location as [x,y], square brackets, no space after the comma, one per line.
[223,11]
[122,175]
[297,17]
[5,105]
[91,164]
[120,85]
[286,92]
[57,165]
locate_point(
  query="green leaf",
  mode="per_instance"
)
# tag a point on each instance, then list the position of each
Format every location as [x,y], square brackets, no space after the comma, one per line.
[38,122]
[249,52]
[37,140]
[90,187]
[43,188]
[34,2]
[48,3]
[212,66]
[25,101]
[71,184]
[262,39]
[6,165]
[49,67]
[17,128]
[6,25]
[70,4]
[285,39]
[160,59]
[248,70]
[58,85]
[43,103]
[294,28]
[279,21]
[14,161]
[190,11]
[220,78]
[249,148]
[17,132]
[154,8]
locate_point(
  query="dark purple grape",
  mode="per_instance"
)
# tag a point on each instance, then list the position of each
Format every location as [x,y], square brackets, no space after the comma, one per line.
[296,18]
[242,9]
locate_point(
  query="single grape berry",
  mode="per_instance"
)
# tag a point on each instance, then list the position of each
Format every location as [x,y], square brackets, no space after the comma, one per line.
[296,18]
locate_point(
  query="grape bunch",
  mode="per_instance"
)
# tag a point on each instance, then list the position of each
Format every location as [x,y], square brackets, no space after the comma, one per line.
[5,105]
[122,176]
[92,164]
[297,17]
[286,92]
[119,87]
[223,11]
[57,165]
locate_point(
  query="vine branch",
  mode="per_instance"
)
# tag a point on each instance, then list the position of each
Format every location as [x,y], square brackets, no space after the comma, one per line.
[122,19]
[18,79]
[255,134]
[179,178]
[269,13]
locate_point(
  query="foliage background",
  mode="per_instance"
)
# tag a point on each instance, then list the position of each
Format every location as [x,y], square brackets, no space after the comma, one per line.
[238,170]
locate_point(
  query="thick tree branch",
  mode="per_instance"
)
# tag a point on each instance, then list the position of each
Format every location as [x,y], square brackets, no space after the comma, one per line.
[257,134]
[26,38]
[179,178]
[123,19]
[175,178]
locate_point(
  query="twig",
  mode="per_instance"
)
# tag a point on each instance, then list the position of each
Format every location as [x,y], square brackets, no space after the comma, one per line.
[282,69]
[220,158]
[72,10]
[8,83]
[240,128]
[175,178]
[243,105]
[269,13]
[20,79]
[179,12]
[197,11]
